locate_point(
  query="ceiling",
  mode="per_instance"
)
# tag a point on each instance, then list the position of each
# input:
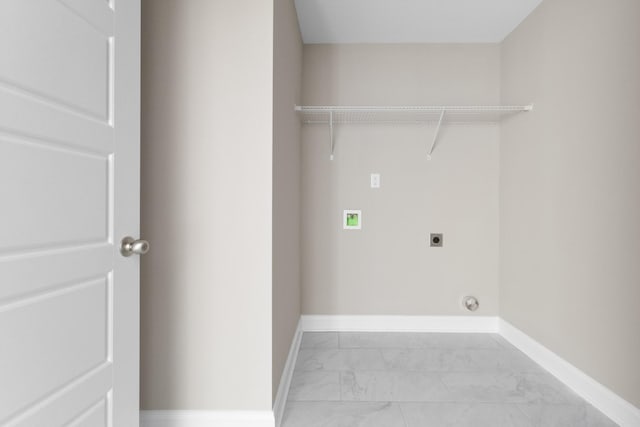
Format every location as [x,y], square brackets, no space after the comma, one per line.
[410,21]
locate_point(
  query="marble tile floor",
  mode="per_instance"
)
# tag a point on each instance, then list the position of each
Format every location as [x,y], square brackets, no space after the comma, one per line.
[424,379]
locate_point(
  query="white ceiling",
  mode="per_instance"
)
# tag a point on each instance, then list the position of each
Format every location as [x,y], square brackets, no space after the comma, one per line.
[410,21]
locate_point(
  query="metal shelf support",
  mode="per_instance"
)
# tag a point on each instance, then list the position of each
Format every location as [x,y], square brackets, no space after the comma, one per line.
[435,136]
[331,143]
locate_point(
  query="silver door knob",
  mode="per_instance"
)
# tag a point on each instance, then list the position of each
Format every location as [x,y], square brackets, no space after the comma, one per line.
[131,246]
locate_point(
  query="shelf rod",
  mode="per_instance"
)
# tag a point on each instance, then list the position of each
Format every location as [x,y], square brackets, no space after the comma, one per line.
[435,136]
[415,108]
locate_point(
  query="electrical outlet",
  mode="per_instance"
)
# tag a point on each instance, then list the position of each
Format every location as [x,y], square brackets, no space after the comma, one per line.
[375,180]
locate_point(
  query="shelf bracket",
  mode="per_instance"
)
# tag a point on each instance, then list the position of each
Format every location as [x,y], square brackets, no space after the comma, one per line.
[435,136]
[331,144]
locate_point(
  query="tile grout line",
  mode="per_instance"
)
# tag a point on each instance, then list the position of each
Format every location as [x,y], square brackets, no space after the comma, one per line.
[404,419]
[517,405]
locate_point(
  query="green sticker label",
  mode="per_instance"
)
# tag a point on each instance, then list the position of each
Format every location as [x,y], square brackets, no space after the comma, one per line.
[352,220]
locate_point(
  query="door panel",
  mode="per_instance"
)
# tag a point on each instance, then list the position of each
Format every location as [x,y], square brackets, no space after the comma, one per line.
[47,211]
[69,192]
[49,337]
[40,121]
[40,272]
[67,404]
[73,52]
[96,416]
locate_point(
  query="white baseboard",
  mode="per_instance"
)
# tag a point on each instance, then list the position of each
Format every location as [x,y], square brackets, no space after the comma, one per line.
[287,375]
[486,324]
[609,403]
[206,419]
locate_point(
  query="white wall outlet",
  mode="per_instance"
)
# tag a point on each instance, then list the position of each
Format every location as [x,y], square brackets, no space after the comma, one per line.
[375,180]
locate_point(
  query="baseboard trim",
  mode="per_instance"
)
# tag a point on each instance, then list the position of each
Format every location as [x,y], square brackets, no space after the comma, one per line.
[206,419]
[472,324]
[606,401]
[287,375]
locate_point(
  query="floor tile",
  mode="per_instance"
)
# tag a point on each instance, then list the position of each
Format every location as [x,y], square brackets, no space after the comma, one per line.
[416,340]
[457,360]
[503,342]
[319,340]
[341,414]
[426,379]
[464,415]
[583,415]
[508,387]
[476,341]
[315,385]
[384,386]
[339,360]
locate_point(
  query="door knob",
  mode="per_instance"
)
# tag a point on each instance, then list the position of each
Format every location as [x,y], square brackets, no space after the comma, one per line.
[131,246]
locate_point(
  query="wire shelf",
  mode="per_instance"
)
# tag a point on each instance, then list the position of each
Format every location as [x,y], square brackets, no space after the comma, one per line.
[439,115]
[406,114]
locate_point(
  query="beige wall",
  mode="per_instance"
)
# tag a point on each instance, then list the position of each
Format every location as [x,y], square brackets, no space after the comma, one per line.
[207,204]
[388,266]
[287,87]
[217,110]
[570,186]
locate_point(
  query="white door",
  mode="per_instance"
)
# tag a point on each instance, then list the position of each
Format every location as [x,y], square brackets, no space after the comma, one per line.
[69,192]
